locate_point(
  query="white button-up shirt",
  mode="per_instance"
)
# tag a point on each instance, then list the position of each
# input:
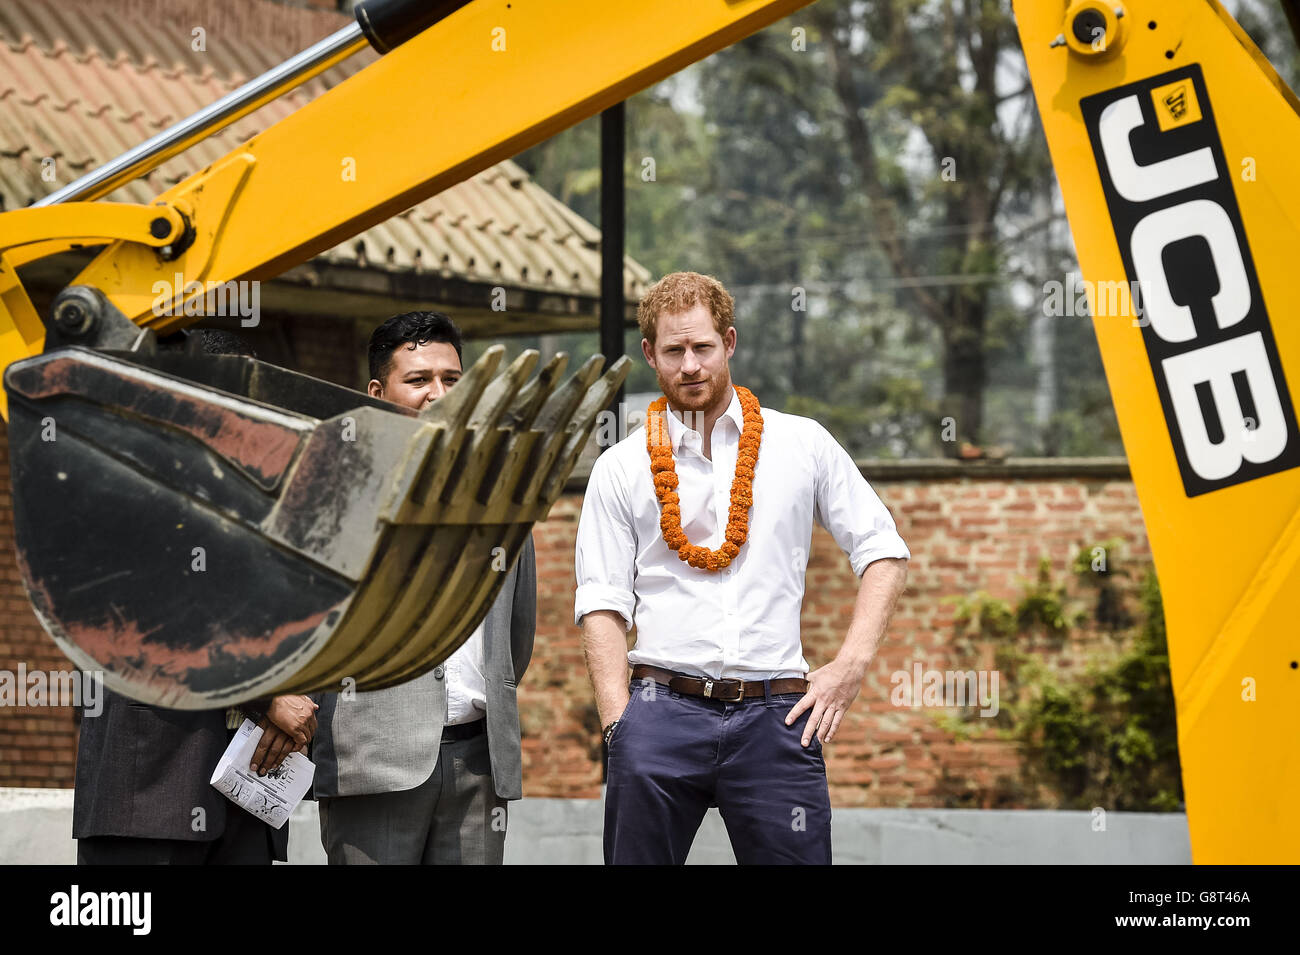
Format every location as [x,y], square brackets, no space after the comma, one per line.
[466,685]
[743,620]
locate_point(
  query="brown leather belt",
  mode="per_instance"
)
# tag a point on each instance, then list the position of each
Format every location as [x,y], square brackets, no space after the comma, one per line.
[724,691]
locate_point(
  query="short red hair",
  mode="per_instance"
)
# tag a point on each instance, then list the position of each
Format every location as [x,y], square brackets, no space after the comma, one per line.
[679,292]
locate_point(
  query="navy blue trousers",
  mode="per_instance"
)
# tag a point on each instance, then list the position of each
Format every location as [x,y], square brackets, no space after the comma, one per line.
[673,756]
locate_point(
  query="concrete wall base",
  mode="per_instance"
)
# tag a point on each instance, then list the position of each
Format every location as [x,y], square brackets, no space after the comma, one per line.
[36,827]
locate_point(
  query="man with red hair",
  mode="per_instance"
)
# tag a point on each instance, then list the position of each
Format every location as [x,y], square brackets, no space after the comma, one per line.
[696,530]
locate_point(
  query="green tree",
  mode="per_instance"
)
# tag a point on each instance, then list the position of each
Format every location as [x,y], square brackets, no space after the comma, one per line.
[908,73]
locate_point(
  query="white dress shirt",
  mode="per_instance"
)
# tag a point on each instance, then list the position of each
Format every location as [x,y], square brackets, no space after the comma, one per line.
[466,685]
[741,621]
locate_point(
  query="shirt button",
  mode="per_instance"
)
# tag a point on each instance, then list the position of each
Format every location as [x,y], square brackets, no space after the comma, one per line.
[438,672]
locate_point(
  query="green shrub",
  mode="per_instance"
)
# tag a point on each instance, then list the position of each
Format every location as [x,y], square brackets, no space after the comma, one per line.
[1107,737]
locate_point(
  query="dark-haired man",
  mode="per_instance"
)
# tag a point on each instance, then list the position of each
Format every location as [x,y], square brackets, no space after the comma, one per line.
[414,358]
[421,773]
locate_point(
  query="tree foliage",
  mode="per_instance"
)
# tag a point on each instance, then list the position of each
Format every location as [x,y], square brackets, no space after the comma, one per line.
[870,179]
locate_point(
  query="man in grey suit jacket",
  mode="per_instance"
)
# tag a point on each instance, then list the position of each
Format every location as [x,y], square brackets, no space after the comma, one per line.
[421,773]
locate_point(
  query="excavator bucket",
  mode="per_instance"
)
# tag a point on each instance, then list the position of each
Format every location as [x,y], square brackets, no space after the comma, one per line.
[206,530]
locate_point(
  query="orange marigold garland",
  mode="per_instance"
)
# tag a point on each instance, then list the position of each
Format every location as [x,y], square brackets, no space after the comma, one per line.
[664,472]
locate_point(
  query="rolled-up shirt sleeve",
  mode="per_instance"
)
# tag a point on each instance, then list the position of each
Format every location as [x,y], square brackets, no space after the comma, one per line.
[605,556]
[847,506]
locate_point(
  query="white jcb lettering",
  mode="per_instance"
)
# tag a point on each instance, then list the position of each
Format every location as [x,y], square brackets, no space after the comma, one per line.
[1199,217]
[1140,183]
[1223,398]
[1215,365]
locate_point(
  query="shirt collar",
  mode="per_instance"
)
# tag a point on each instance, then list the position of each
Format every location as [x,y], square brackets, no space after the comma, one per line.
[677,431]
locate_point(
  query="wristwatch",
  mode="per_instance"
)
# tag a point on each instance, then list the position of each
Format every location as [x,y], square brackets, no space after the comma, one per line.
[609,731]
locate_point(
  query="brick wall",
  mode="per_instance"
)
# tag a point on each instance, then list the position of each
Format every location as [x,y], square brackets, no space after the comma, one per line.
[37,744]
[966,534]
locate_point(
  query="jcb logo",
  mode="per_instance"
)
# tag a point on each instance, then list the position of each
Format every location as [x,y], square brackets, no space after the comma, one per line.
[1180,234]
[1176,102]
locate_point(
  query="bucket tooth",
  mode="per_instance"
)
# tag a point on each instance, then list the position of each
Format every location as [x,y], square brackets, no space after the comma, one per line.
[514,473]
[454,409]
[565,399]
[501,393]
[437,645]
[461,572]
[400,556]
[432,573]
[448,625]
[533,395]
[584,419]
[552,421]
[452,415]
[438,465]
[476,608]
[477,459]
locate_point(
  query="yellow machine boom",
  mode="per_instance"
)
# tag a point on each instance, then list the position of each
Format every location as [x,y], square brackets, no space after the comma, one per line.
[1174,143]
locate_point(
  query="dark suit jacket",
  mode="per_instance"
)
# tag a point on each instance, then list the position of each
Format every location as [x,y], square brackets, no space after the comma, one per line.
[143,770]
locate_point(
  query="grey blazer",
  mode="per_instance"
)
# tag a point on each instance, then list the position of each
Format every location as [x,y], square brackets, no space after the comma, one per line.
[387,740]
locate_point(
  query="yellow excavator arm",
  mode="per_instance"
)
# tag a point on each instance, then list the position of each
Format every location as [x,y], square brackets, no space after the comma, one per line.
[485,82]
[1172,139]
[1174,143]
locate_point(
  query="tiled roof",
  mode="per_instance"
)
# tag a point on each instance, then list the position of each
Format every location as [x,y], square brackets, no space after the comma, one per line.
[83,81]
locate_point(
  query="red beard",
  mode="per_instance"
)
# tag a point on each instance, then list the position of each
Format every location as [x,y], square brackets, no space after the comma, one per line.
[695,400]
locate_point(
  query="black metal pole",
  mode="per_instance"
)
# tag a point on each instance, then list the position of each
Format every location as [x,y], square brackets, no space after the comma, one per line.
[612,221]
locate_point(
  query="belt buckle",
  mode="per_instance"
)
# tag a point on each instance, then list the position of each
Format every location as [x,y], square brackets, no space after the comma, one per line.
[740,690]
